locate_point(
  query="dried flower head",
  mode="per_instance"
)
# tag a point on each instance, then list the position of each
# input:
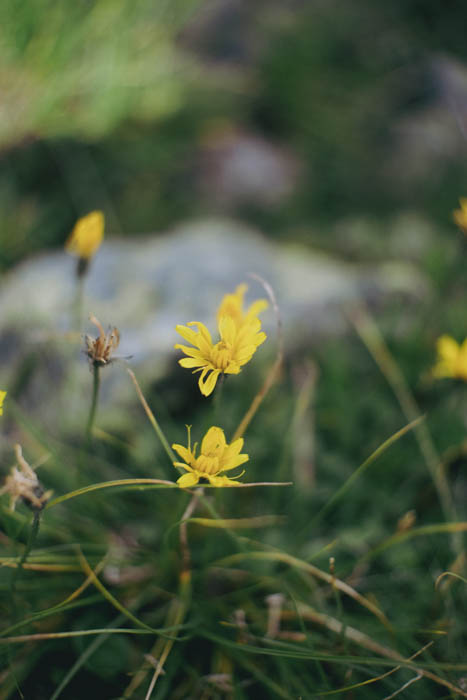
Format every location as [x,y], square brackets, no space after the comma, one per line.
[215,456]
[22,483]
[452,359]
[2,399]
[99,350]
[232,305]
[460,215]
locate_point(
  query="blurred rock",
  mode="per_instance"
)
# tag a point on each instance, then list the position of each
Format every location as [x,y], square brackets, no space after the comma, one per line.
[236,167]
[146,286]
[407,235]
[427,138]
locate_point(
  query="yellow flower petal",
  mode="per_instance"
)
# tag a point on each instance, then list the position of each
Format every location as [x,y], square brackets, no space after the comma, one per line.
[447,348]
[86,236]
[206,386]
[2,399]
[222,481]
[187,333]
[232,305]
[233,462]
[213,441]
[232,457]
[184,453]
[234,448]
[187,480]
[190,362]
[203,331]
[452,359]
[256,308]
[192,352]
[227,330]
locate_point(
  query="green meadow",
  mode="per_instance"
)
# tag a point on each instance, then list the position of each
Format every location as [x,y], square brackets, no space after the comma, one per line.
[309,541]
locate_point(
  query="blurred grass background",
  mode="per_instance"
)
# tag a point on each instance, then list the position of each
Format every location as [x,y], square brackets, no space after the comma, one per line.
[119,106]
[140,109]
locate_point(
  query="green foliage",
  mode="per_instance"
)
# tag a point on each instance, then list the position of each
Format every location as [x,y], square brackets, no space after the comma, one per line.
[135,527]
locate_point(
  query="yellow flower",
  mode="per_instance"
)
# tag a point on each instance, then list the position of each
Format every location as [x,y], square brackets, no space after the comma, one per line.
[460,215]
[2,399]
[232,305]
[86,236]
[235,348]
[452,358]
[216,456]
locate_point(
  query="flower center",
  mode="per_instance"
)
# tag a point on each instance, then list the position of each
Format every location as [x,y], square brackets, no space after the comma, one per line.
[221,354]
[208,465]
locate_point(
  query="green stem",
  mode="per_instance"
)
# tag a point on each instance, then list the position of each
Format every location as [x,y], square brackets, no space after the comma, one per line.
[13,581]
[152,418]
[33,532]
[78,304]
[95,393]
[216,403]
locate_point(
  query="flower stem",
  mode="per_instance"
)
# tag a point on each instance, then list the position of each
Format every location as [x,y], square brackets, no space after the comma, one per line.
[217,398]
[33,532]
[95,393]
[152,418]
[78,304]
[184,548]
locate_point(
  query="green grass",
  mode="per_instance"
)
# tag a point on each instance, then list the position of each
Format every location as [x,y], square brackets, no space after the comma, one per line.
[358,545]
[210,630]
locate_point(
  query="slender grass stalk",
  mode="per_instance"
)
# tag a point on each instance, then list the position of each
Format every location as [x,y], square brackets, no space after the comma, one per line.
[375,344]
[274,370]
[152,418]
[354,635]
[176,613]
[317,573]
[108,596]
[32,537]
[96,381]
[44,636]
[159,651]
[125,483]
[359,471]
[184,548]
[33,532]
[84,656]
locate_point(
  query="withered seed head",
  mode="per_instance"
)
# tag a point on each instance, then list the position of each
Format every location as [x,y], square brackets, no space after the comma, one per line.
[22,483]
[99,350]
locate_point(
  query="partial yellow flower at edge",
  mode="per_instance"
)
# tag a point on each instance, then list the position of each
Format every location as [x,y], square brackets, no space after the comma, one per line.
[452,359]
[2,399]
[235,348]
[86,236]
[215,456]
[460,215]
[232,305]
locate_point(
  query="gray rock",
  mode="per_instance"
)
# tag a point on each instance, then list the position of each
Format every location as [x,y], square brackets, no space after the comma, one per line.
[145,286]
